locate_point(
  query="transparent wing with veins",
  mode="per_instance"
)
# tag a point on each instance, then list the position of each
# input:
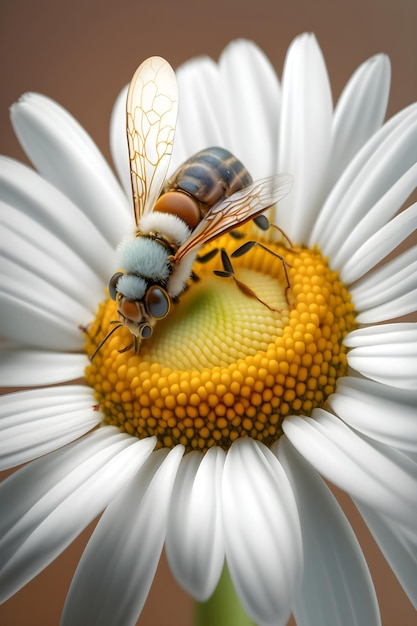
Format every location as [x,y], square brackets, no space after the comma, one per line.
[151,115]
[234,211]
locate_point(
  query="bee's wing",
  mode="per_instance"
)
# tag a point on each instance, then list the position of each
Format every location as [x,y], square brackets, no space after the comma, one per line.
[234,211]
[151,115]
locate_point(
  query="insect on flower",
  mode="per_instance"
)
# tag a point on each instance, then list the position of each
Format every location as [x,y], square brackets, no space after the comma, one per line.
[210,194]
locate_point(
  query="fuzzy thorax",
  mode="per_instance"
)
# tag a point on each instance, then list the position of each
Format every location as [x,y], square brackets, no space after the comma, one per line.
[164,225]
[147,257]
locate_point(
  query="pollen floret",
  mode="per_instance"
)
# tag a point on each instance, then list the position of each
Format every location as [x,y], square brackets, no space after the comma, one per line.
[223,365]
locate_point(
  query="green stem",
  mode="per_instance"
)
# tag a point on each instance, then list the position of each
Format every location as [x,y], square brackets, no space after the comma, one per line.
[223,608]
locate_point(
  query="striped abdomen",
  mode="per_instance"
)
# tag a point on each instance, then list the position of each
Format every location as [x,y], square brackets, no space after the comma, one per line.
[209,176]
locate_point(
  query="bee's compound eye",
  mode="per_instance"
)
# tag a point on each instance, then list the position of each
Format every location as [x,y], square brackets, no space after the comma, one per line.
[113,284]
[146,331]
[158,302]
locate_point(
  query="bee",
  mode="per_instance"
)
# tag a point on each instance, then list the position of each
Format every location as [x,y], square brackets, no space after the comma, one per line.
[210,194]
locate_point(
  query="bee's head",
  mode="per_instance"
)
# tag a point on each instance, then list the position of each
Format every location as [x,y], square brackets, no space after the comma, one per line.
[139,305]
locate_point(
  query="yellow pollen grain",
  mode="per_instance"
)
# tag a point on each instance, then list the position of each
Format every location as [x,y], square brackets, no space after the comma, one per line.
[222,364]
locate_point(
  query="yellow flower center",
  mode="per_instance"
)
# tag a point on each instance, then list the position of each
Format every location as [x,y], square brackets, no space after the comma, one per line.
[228,362]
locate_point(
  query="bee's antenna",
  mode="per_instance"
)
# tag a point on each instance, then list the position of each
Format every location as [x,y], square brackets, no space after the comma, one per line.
[101,344]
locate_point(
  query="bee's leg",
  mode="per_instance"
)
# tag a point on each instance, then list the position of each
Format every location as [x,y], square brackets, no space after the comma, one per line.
[228,272]
[205,258]
[127,348]
[137,344]
[194,277]
[103,341]
[236,234]
[250,244]
[86,330]
[263,223]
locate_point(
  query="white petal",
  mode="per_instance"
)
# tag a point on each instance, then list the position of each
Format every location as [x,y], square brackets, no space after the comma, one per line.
[390,310]
[251,106]
[46,504]
[199,110]
[123,552]
[33,423]
[360,111]
[386,333]
[66,156]
[262,532]
[336,586]
[27,320]
[379,245]
[118,141]
[386,354]
[36,281]
[395,279]
[380,412]
[377,166]
[305,136]
[399,549]
[383,477]
[194,543]
[30,368]
[22,188]
[29,246]
[374,219]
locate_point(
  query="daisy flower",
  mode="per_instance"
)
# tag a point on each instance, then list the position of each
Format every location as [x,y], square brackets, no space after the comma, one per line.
[214,440]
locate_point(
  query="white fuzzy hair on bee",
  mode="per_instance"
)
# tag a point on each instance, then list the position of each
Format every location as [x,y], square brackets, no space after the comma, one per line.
[171,226]
[144,257]
[180,274]
[133,287]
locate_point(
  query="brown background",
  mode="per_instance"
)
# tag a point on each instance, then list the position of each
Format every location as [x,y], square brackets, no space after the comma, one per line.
[82,52]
